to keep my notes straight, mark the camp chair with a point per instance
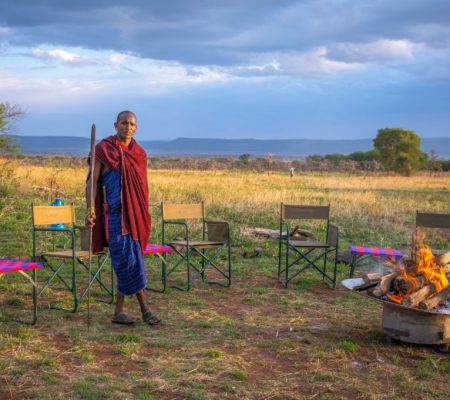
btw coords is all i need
(197, 255)
(55, 244)
(299, 255)
(431, 225)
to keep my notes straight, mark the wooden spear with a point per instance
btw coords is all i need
(91, 211)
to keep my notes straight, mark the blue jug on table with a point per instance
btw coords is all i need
(57, 202)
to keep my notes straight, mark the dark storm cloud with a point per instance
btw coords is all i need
(200, 32)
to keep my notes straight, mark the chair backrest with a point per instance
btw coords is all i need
(292, 211)
(431, 220)
(183, 211)
(428, 226)
(48, 215)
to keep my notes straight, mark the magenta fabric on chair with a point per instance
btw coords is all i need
(157, 249)
(17, 265)
(376, 251)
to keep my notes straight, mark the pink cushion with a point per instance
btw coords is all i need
(17, 265)
(157, 248)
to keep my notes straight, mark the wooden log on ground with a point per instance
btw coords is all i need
(435, 300)
(372, 276)
(384, 285)
(273, 233)
(299, 234)
(416, 297)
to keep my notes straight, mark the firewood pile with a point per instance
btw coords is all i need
(422, 283)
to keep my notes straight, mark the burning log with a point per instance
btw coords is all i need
(435, 300)
(408, 283)
(444, 260)
(366, 285)
(384, 285)
(423, 284)
(416, 297)
(372, 277)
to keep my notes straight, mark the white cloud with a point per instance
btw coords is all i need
(379, 51)
(309, 64)
(63, 56)
(5, 31)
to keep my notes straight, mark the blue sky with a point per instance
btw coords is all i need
(228, 69)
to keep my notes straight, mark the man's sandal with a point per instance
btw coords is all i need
(123, 319)
(150, 318)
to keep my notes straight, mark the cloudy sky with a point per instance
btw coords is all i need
(325, 69)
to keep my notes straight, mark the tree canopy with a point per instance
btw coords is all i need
(399, 150)
(9, 114)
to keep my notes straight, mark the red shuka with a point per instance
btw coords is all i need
(131, 162)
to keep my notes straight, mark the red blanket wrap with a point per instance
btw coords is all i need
(132, 164)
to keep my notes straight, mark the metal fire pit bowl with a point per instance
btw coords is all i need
(411, 325)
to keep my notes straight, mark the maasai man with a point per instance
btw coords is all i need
(120, 171)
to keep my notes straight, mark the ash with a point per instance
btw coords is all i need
(443, 308)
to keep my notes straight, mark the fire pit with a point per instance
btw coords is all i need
(411, 325)
(415, 297)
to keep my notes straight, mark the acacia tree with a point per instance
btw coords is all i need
(399, 150)
(9, 114)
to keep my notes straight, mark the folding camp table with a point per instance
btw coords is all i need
(359, 253)
(159, 250)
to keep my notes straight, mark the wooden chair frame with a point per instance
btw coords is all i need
(57, 261)
(306, 253)
(428, 220)
(215, 239)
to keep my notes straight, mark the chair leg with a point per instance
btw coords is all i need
(325, 265)
(188, 266)
(229, 265)
(335, 270)
(163, 275)
(202, 273)
(34, 294)
(279, 257)
(286, 270)
(353, 264)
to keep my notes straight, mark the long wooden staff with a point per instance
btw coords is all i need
(91, 212)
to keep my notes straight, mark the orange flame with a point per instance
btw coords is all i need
(427, 266)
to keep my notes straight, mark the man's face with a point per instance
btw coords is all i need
(126, 127)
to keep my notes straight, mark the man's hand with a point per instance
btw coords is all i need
(89, 221)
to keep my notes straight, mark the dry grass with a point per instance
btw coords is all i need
(254, 340)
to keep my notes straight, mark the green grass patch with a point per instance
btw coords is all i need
(213, 353)
(348, 345)
(239, 375)
(127, 337)
(15, 301)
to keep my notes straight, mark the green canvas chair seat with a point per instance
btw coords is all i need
(200, 254)
(67, 269)
(296, 256)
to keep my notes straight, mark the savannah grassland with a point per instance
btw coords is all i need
(254, 340)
